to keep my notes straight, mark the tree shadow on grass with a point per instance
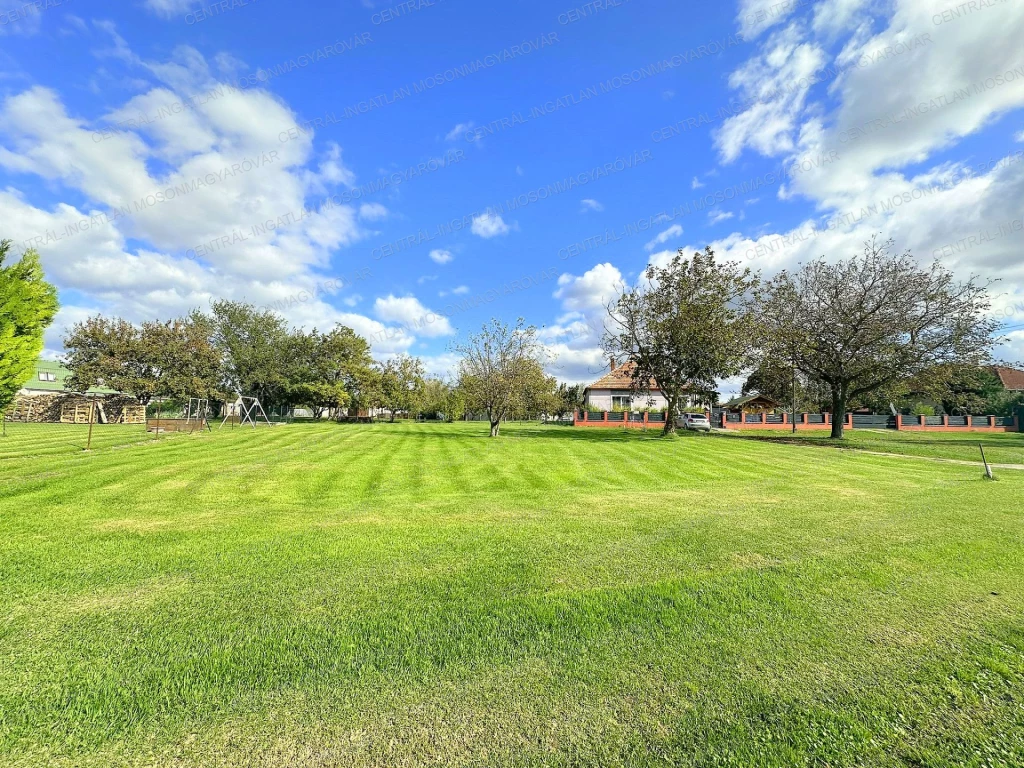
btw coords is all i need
(995, 440)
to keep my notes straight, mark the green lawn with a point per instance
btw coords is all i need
(1000, 447)
(396, 595)
(49, 439)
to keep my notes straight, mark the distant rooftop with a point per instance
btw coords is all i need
(49, 376)
(1011, 378)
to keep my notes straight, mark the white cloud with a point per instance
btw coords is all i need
(372, 211)
(251, 232)
(460, 289)
(353, 300)
(168, 8)
(590, 205)
(591, 290)
(663, 237)
(774, 85)
(412, 315)
(755, 16)
(459, 131)
(441, 256)
(488, 225)
(714, 217)
(695, 184)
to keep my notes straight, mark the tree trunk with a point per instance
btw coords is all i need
(670, 419)
(495, 427)
(839, 400)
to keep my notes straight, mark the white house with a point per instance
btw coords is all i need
(612, 392)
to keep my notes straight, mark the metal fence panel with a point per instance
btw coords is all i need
(874, 421)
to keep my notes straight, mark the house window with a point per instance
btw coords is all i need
(47, 376)
(625, 403)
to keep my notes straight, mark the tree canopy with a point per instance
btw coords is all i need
(499, 368)
(684, 326)
(28, 305)
(862, 324)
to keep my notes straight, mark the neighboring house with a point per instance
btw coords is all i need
(48, 379)
(612, 392)
(1011, 378)
(755, 403)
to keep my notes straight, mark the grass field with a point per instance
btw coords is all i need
(398, 595)
(1000, 447)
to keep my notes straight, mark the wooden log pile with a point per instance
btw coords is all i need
(74, 409)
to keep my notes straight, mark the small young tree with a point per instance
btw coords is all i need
(497, 367)
(28, 305)
(865, 323)
(685, 326)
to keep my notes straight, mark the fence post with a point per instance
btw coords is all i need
(785, 419)
(604, 416)
(922, 421)
(848, 421)
(992, 422)
(899, 421)
(92, 410)
(945, 420)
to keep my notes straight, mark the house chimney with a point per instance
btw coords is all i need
(613, 362)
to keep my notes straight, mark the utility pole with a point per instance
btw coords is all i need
(793, 419)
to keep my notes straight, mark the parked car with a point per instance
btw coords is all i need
(695, 421)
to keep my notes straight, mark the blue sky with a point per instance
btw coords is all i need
(412, 169)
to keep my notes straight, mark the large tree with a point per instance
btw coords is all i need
(175, 359)
(684, 326)
(28, 305)
(498, 368)
(111, 352)
(255, 347)
(329, 369)
(863, 324)
(185, 361)
(401, 384)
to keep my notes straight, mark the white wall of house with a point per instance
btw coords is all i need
(603, 399)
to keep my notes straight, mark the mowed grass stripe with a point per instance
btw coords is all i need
(709, 601)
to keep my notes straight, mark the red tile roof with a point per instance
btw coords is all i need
(620, 377)
(1011, 378)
